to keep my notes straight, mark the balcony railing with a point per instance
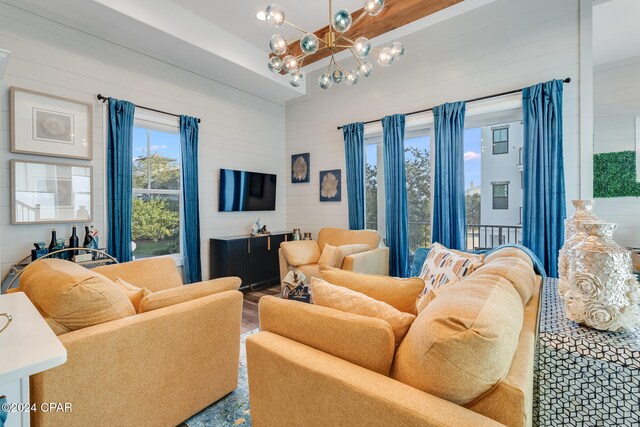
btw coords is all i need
(490, 236)
(478, 236)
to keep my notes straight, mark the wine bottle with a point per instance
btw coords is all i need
(54, 241)
(74, 242)
(87, 237)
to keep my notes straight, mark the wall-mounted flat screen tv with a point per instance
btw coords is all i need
(246, 191)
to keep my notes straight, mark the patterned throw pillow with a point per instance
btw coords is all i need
(444, 266)
(293, 287)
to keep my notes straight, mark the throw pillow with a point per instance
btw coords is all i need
(329, 255)
(443, 266)
(463, 343)
(184, 293)
(73, 296)
(343, 299)
(300, 252)
(134, 293)
(399, 293)
(294, 288)
(334, 256)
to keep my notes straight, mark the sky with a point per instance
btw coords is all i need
(472, 152)
(167, 144)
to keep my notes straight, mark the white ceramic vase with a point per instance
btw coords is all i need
(584, 212)
(602, 292)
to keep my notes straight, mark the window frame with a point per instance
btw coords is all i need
(494, 185)
(494, 143)
(148, 121)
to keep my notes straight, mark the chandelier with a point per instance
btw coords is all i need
(340, 22)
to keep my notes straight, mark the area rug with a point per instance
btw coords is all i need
(233, 409)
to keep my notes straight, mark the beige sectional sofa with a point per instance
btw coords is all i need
(467, 359)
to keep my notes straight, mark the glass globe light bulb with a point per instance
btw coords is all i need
(309, 44)
(341, 21)
(397, 50)
(373, 7)
(275, 64)
(274, 14)
(325, 80)
(278, 44)
(296, 78)
(289, 63)
(362, 47)
(365, 69)
(337, 76)
(352, 77)
(385, 58)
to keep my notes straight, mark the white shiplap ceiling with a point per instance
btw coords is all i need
(239, 17)
(219, 40)
(616, 30)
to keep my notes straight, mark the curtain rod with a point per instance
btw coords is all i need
(105, 99)
(495, 95)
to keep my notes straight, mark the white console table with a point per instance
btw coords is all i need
(27, 346)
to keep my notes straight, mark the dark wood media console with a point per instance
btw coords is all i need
(252, 258)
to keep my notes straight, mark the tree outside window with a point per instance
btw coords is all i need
(156, 193)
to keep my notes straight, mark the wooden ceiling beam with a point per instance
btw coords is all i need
(396, 13)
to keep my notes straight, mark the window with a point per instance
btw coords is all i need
(500, 195)
(522, 180)
(520, 156)
(157, 189)
(418, 176)
(520, 222)
(501, 141)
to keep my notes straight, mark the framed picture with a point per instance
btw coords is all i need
(330, 186)
(300, 168)
(44, 192)
(49, 125)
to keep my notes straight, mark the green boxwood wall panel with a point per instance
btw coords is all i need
(614, 175)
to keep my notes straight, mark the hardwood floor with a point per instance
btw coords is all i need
(250, 307)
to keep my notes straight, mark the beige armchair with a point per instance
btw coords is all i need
(154, 368)
(304, 255)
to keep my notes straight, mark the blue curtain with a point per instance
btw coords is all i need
(191, 268)
(119, 184)
(354, 156)
(449, 219)
(543, 207)
(395, 184)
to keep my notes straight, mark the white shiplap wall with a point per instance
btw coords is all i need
(616, 99)
(505, 45)
(238, 130)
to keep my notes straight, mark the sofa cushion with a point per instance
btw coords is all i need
(444, 265)
(134, 293)
(341, 236)
(509, 251)
(185, 293)
(155, 274)
(301, 252)
(515, 270)
(334, 256)
(343, 299)
(399, 293)
(463, 342)
(72, 296)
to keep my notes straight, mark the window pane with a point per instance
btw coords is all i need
(500, 190)
(139, 170)
(156, 224)
(371, 186)
(418, 175)
(164, 160)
